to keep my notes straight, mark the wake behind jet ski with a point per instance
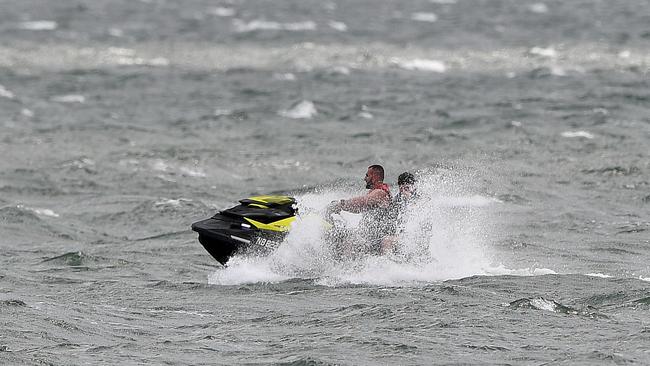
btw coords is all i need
(257, 225)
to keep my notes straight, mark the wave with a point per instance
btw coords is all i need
(544, 304)
(13, 302)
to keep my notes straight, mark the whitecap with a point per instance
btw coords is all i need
(599, 275)
(27, 113)
(192, 172)
(138, 61)
(160, 166)
(158, 61)
(116, 32)
(340, 70)
(339, 26)
(259, 24)
(544, 52)
(572, 134)
(219, 112)
(501, 270)
(366, 115)
(541, 303)
(446, 2)
(39, 211)
(171, 202)
(5, 93)
(302, 110)
(285, 76)
(625, 54)
(365, 112)
(69, 98)
(222, 12)
(558, 71)
(45, 212)
(39, 25)
(421, 65)
(539, 8)
(424, 17)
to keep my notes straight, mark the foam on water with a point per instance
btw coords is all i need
(445, 236)
(171, 202)
(39, 211)
(260, 24)
(39, 25)
(625, 54)
(303, 110)
(192, 172)
(501, 270)
(339, 26)
(285, 76)
(544, 52)
(5, 93)
(543, 304)
(69, 98)
(539, 8)
(424, 17)
(222, 12)
(421, 65)
(246, 270)
(572, 134)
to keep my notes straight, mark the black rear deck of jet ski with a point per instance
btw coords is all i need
(257, 224)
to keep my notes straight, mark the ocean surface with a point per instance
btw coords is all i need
(124, 121)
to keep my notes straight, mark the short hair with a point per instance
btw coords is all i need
(378, 169)
(405, 178)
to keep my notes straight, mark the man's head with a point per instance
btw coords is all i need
(374, 175)
(406, 182)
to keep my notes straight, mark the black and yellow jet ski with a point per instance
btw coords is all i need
(257, 225)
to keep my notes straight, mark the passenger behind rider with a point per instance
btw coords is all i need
(374, 207)
(407, 194)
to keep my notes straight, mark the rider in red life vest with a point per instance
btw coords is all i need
(377, 197)
(374, 209)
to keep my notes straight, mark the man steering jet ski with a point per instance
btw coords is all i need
(258, 225)
(375, 210)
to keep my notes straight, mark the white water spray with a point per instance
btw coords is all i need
(445, 235)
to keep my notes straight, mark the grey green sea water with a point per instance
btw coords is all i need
(122, 122)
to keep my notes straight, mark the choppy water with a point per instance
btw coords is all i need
(121, 122)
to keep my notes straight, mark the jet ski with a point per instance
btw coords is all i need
(257, 225)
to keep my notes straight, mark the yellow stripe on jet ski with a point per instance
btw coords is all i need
(278, 200)
(280, 225)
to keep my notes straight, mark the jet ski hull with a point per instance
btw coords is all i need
(256, 226)
(215, 237)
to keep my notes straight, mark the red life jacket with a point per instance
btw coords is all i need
(384, 187)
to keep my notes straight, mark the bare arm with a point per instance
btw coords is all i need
(375, 198)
